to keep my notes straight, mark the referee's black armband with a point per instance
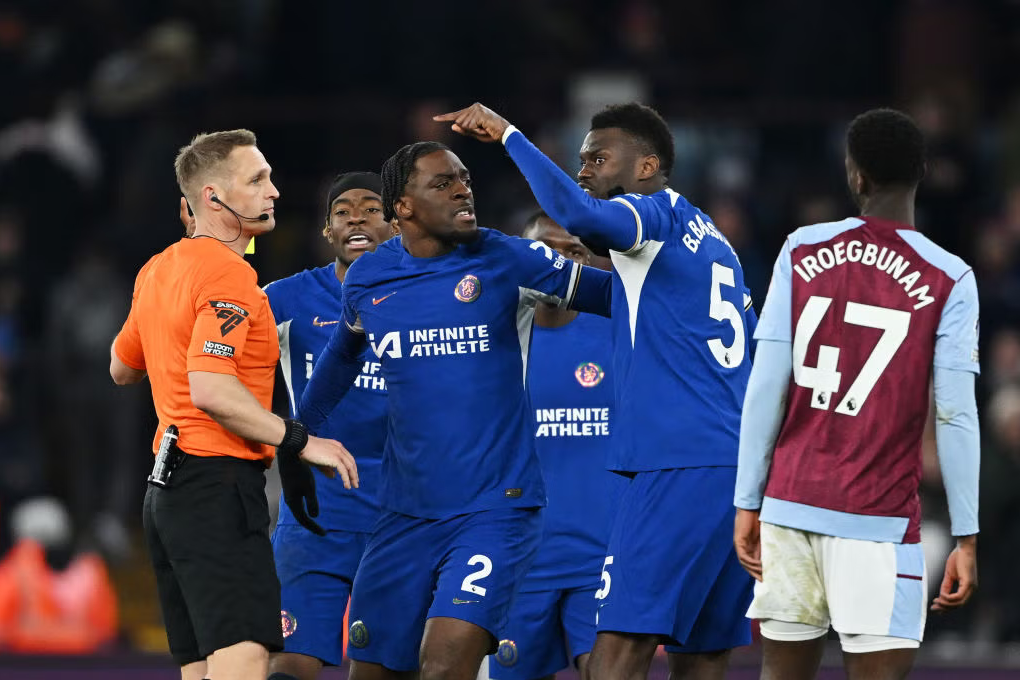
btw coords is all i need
(294, 438)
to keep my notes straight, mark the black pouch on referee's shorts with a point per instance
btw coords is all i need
(168, 458)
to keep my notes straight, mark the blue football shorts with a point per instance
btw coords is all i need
(670, 567)
(548, 630)
(465, 567)
(316, 574)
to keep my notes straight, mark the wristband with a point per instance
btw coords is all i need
(510, 129)
(294, 438)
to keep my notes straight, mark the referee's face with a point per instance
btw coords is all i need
(251, 191)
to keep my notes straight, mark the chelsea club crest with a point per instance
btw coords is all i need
(589, 374)
(468, 289)
(358, 635)
(288, 622)
(506, 654)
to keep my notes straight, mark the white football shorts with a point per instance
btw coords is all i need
(873, 594)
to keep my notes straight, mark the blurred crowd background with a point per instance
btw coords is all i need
(98, 95)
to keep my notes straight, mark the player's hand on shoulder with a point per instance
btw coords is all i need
(331, 458)
(476, 121)
(961, 577)
(747, 541)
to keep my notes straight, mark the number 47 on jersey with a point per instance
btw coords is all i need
(825, 379)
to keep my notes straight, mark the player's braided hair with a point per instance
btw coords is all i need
(398, 169)
(888, 147)
(645, 125)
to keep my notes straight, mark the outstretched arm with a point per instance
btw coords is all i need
(613, 224)
(334, 373)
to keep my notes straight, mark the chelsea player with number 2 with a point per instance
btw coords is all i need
(447, 308)
(682, 327)
(316, 567)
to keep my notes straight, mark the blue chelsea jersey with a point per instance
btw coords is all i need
(682, 318)
(452, 334)
(307, 308)
(682, 342)
(570, 384)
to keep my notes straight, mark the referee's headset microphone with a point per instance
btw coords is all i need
(238, 216)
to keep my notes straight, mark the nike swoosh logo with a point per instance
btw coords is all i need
(457, 600)
(376, 301)
(316, 322)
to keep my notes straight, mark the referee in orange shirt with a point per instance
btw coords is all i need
(201, 329)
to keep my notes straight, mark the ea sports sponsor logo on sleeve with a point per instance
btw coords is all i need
(230, 313)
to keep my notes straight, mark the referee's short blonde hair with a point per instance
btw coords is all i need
(204, 157)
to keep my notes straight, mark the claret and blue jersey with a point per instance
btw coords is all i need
(683, 324)
(452, 335)
(307, 307)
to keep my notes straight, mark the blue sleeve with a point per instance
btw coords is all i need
(546, 276)
(334, 373)
(349, 311)
(277, 295)
(956, 340)
(958, 441)
(612, 224)
(776, 318)
(764, 408)
(594, 293)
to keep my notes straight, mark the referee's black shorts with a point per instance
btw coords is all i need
(207, 534)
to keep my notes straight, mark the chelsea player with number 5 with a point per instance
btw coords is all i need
(447, 309)
(682, 327)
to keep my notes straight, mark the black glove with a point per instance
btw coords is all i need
(297, 479)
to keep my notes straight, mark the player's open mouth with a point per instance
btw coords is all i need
(465, 214)
(587, 188)
(357, 241)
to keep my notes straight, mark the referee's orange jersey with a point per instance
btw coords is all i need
(197, 306)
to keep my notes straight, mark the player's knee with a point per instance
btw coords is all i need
(242, 660)
(890, 664)
(449, 661)
(620, 655)
(440, 667)
(703, 666)
(287, 666)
